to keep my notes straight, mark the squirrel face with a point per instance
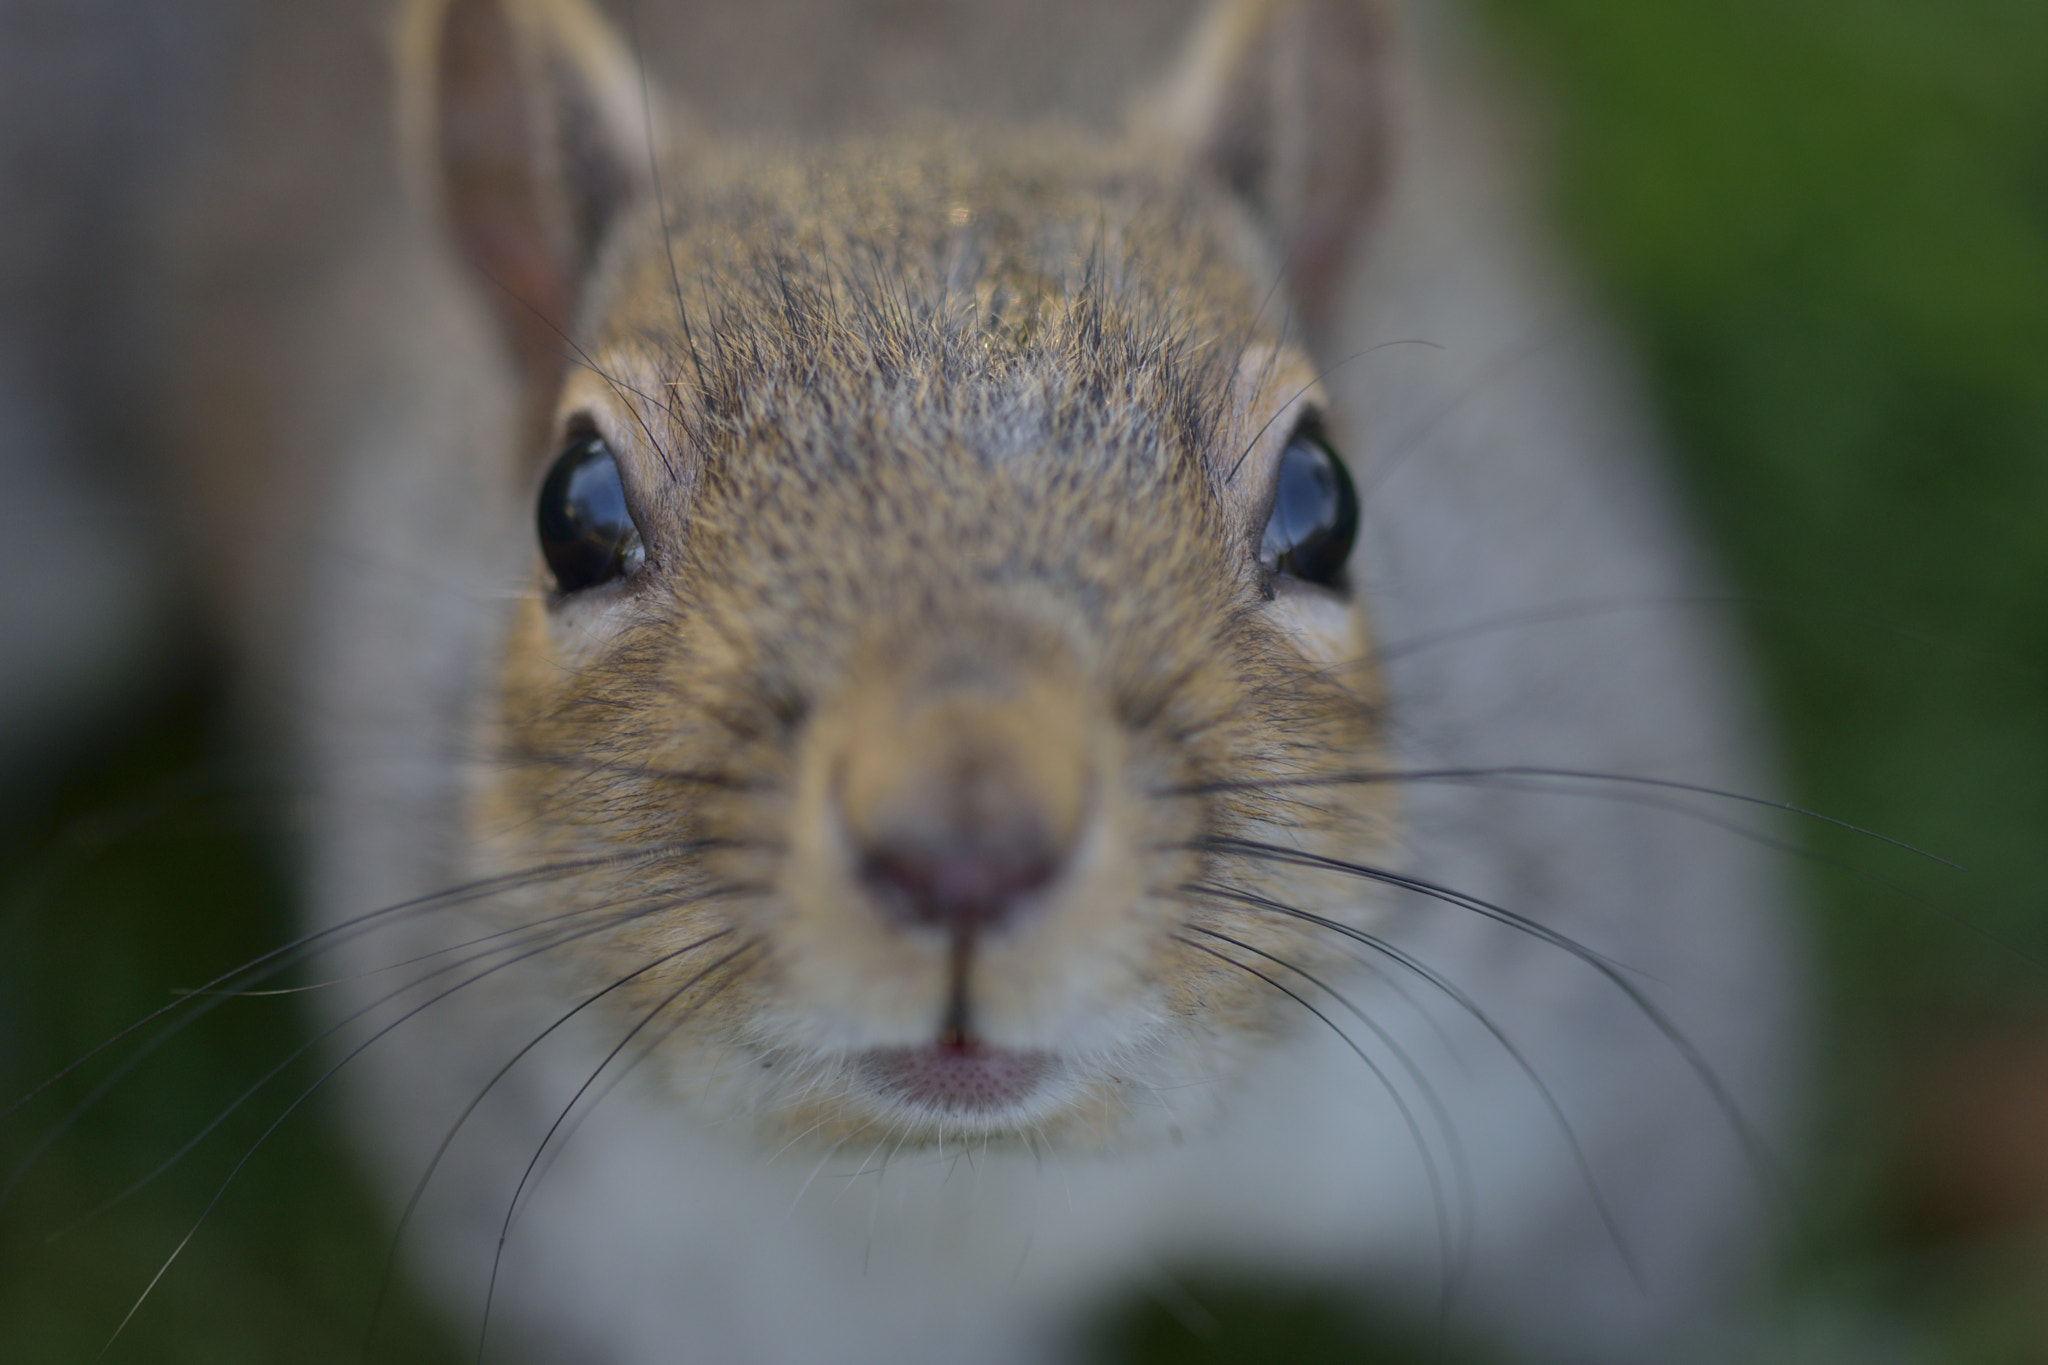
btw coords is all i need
(954, 642)
(943, 573)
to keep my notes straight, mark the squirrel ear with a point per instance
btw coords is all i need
(1286, 103)
(528, 126)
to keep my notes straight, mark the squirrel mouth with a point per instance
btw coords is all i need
(958, 1078)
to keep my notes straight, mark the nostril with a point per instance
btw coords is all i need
(961, 805)
(968, 884)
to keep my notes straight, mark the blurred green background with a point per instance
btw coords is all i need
(1824, 225)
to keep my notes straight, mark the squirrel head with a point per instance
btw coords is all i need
(940, 575)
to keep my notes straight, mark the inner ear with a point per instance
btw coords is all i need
(534, 140)
(1285, 104)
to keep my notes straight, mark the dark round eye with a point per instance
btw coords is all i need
(1315, 513)
(586, 531)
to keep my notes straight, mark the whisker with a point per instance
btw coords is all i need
(297, 1053)
(618, 1077)
(1805, 854)
(1568, 774)
(271, 964)
(1755, 1151)
(1321, 375)
(1271, 364)
(830, 1152)
(1497, 774)
(661, 200)
(280, 958)
(1601, 606)
(660, 206)
(274, 1125)
(480, 939)
(674, 776)
(1447, 1252)
(1259, 314)
(577, 356)
(1461, 1167)
(1486, 1021)
(1502, 778)
(419, 1188)
(1501, 363)
(505, 1230)
(1486, 909)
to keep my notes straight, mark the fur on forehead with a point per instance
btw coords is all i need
(1040, 296)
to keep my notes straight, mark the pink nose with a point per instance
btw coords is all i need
(962, 793)
(973, 878)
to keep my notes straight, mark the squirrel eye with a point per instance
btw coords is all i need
(586, 531)
(1315, 513)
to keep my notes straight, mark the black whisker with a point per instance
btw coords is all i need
(1503, 779)
(492, 937)
(577, 356)
(1754, 1148)
(419, 1188)
(1450, 1250)
(281, 958)
(668, 246)
(255, 1146)
(1498, 774)
(675, 776)
(1601, 606)
(1501, 363)
(1500, 914)
(270, 964)
(1371, 776)
(1321, 375)
(1461, 1167)
(1272, 363)
(317, 1083)
(505, 1230)
(1486, 1021)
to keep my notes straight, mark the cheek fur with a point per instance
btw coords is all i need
(658, 759)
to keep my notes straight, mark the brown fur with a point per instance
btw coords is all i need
(951, 451)
(910, 423)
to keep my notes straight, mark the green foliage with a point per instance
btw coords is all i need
(134, 882)
(1826, 224)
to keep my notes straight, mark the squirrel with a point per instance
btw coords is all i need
(907, 728)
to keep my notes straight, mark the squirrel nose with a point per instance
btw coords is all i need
(979, 880)
(957, 822)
